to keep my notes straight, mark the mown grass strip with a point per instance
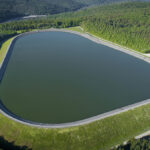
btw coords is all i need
(101, 134)
(4, 48)
(78, 29)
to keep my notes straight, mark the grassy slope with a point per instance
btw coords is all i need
(78, 29)
(3, 49)
(98, 135)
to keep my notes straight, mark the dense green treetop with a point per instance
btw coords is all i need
(16, 8)
(127, 24)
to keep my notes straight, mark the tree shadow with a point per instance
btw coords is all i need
(140, 144)
(5, 145)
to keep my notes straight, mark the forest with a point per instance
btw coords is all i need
(16, 8)
(135, 144)
(10, 9)
(127, 24)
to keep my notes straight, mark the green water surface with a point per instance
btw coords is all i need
(57, 77)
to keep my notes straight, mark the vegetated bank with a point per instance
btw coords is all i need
(101, 134)
(4, 49)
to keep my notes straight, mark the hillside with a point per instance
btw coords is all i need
(127, 24)
(15, 8)
(94, 2)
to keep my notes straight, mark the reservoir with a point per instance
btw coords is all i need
(58, 77)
